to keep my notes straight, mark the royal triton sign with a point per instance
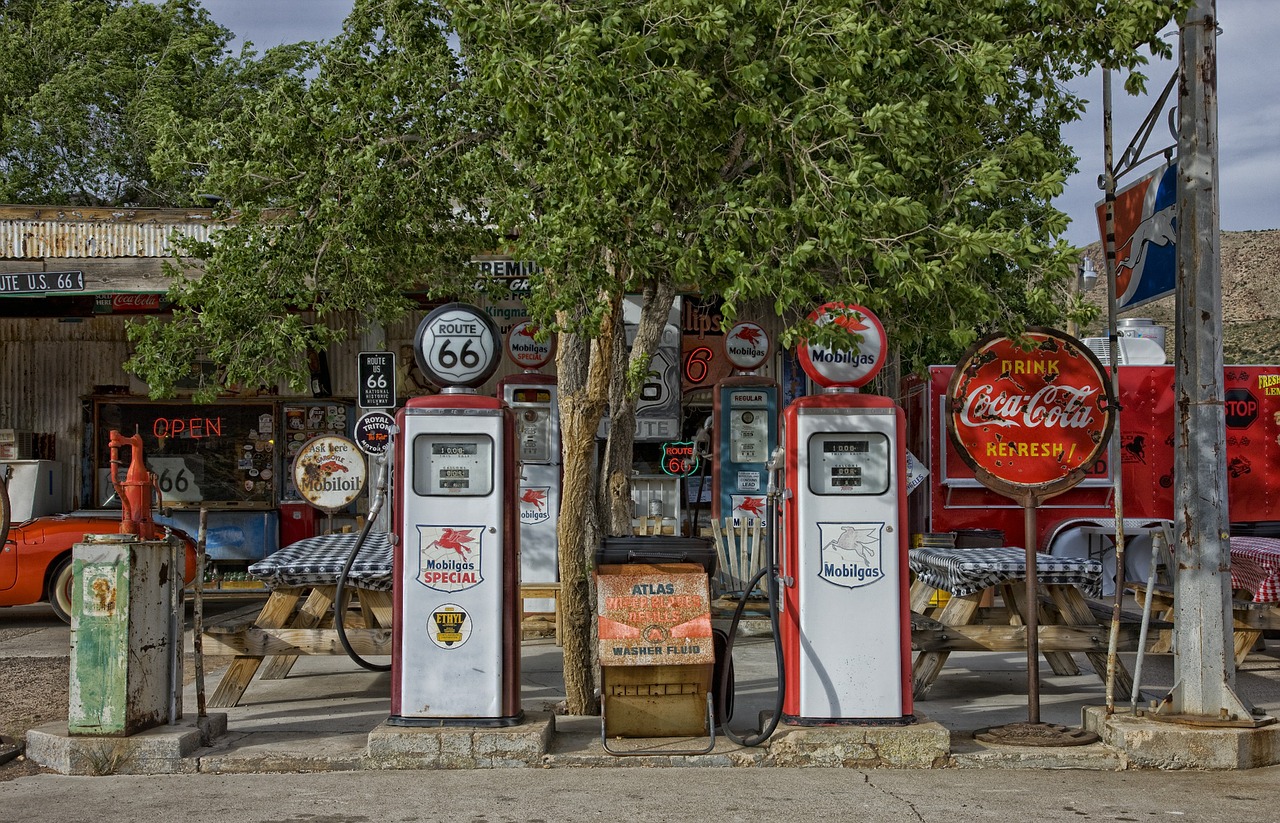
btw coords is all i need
(1030, 415)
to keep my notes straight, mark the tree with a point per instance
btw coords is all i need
(346, 191)
(85, 86)
(901, 156)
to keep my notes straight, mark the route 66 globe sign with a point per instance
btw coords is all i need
(457, 345)
(830, 368)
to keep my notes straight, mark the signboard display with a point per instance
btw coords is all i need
(747, 346)
(524, 349)
(373, 432)
(329, 472)
(41, 282)
(854, 366)
(1030, 420)
(457, 345)
(377, 377)
(650, 617)
(1146, 237)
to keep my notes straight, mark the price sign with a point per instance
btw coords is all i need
(457, 345)
(377, 374)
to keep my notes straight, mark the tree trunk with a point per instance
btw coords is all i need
(615, 491)
(583, 390)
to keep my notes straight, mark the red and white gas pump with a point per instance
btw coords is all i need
(532, 398)
(845, 622)
(456, 640)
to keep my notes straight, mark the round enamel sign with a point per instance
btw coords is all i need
(851, 367)
(746, 346)
(526, 352)
(1030, 421)
(329, 472)
(457, 345)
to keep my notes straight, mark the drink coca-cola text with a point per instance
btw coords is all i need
(1064, 407)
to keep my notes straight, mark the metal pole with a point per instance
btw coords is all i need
(1204, 666)
(1031, 618)
(197, 629)
(1113, 445)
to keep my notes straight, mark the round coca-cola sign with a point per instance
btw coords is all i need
(1030, 420)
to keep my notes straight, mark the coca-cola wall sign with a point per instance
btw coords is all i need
(1030, 420)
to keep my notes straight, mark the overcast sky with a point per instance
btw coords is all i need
(1248, 103)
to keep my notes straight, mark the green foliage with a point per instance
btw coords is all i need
(84, 85)
(902, 156)
(347, 191)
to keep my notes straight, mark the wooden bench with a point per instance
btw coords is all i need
(544, 591)
(1248, 619)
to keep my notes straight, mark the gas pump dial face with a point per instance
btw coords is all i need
(457, 345)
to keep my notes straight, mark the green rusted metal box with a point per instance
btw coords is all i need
(126, 635)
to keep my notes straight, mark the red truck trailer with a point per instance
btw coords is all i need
(952, 499)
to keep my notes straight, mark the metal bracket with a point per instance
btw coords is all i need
(711, 744)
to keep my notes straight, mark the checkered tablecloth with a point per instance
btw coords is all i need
(966, 571)
(1255, 567)
(317, 561)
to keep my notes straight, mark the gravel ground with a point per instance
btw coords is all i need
(33, 691)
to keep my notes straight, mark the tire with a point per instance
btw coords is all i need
(59, 589)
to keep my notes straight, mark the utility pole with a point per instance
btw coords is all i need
(1204, 664)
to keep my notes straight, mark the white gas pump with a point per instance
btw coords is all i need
(845, 625)
(455, 645)
(745, 422)
(532, 397)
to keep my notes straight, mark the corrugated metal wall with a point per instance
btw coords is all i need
(37, 239)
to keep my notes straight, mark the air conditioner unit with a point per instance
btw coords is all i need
(1134, 351)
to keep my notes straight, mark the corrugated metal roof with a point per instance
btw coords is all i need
(38, 239)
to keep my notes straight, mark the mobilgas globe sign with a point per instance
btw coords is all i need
(329, 472)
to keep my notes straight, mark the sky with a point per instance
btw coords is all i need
(1248, 104)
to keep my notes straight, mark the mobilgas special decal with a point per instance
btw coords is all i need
(449, 557)
(450, 626)
(852, 553)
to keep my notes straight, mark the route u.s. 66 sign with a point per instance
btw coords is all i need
(457, 345)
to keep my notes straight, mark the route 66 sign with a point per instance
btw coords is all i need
(457, 345)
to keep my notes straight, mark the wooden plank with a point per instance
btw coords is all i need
(928, 664)
(262, 642)
(317, 605)
(275, 613)
(1071, 605)
(988, 638)
(1060, 662)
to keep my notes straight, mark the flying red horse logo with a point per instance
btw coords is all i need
(456, 539)
(748, 333)
(534, 497)
(850, 321)
(527, 331)
(331, 466)
(753, 506)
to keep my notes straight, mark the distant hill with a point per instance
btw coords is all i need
(1250, 298)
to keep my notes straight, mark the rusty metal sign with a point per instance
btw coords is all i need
(329, 472)
(1030, 421)
(654, 615)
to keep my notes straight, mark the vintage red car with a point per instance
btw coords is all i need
(35, 558)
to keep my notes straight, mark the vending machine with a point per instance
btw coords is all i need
(533, 400)
(845, 622)
(456, 637)
(745, 422)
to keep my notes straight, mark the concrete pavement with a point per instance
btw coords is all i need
(328, 714)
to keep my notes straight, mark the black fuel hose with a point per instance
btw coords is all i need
(770, 569)
(339, 608)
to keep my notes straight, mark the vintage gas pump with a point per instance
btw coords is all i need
(845, 625)
(532, 398)
(745, 421)
(455, 644)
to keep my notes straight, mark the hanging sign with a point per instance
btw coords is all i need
(373, 432)
(376, 371)
(1146, 237)
(1029, 422)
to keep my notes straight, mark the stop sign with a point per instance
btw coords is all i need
(1241, 408)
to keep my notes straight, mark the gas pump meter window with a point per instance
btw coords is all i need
(748, 427)
(453, 465)
(533, 423)
(849, 464)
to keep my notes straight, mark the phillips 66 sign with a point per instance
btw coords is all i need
(1030, 421)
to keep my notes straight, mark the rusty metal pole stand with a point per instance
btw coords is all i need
(197, 619)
